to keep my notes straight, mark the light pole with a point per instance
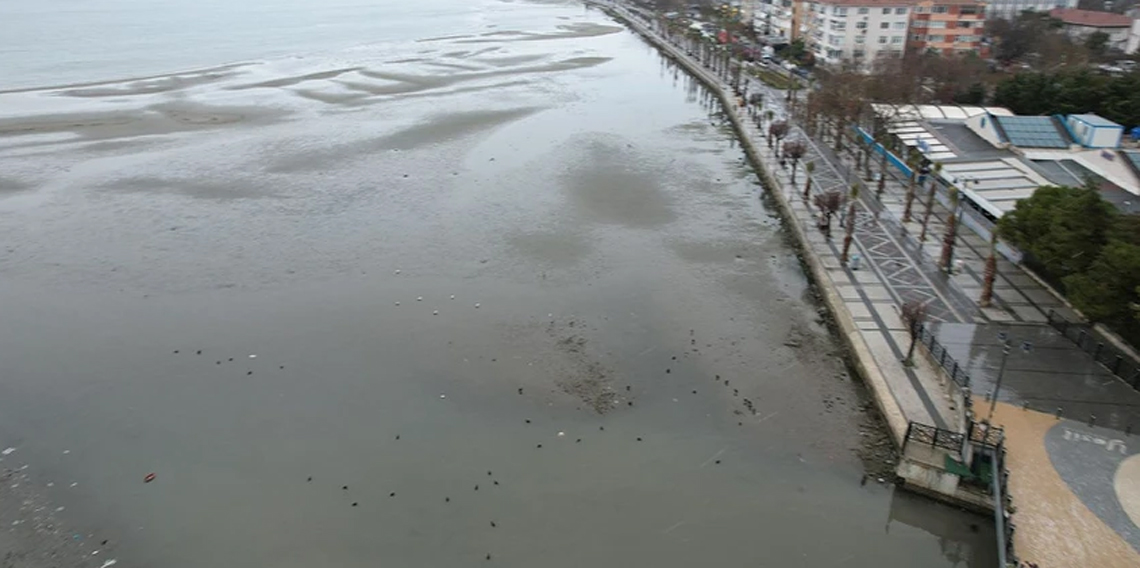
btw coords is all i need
(1006, 348)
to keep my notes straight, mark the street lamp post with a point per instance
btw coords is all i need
(1006, 348)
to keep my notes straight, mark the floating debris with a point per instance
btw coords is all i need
(7, 451)
(149, 478)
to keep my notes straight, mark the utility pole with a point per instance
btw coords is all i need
(1006, 348)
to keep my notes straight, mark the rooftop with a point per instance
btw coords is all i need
(1075, 17)
(870, 3)
(1032, 131)
(1094, 120)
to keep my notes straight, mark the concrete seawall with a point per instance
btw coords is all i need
(859, 354)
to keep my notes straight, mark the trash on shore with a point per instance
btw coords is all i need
(7, 451)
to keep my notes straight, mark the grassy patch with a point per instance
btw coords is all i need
(774, 79)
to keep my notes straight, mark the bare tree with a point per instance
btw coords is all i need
(914, 315)
(776, 132)
(849, 235)
(950, 234)
(810, 167)
(794, 150)
(828, 203)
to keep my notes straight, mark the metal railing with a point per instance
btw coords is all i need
(935, 437)
(1090, 341)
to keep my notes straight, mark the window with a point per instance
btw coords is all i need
(917, 37)
(864, 10)
(838, 26)
(886, 11)
(884, 25)
(861, 25)
(841, 11)
(834, 40)
(935, 38)
(965, 39)
(940, 9)
(899, 25)
(937, 24)
(860, 39)
(896, 39)
(920, 9)
(965, 24)
(858, 53)
(969, 10)
(900, 11)
(920, 23)
(882, 39)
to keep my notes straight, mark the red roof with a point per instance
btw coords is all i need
(1090, 18)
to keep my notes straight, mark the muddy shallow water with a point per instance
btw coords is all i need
(514, 273)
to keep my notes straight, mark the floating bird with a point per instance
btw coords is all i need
(476, 305)
(489, 554)
(627, 388)
(639, 438)
(175, 351)
(717, 461)
(488, 474)
(392, 494)
(447, 499)
(397, 436)
(310, 479)
(579, 440)
(601, 427)
(520, 388)
(476, 487)
(493, 525)
(435, 313)
(419, 298)
(354, 503)
(528, 420)
(249, 372)
(199, 351)
(344, 487)
(540, 445)
(495, 482)
(667, 371)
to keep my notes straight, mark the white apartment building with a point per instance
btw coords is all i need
(858, 31)
(1009, 9)
(775, 19)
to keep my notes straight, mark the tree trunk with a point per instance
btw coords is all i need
(926, 213)
(807, 189)
(794, 162)
(882, 175)
(909, 197)
(989, 274)
(950, 234)
(850, 232)
(827, 225)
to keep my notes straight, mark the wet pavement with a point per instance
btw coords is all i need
(507, 292)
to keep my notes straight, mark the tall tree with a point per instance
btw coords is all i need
(849, 234)
(1062, 228)
(930, 201)
(950, 233)
(810, 168)
(910, 186)
(793, 151)
(990, 272)
(914, 315)
(828, 203)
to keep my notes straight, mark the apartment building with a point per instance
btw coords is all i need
(857, 31)
(949, 27)
(776, 19)
(1009, 9)
(1080, 24)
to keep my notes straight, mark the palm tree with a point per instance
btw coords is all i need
(913, 165)
(810, 167)
(828, 203)
(882, 168)
(951, 232)
(913, 314)
(930, 202)
(794, 150)
(850, 228)
(990, 272)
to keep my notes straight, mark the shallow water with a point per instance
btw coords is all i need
(604, 243)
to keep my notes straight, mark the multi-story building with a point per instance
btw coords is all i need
(775, 19)
(857, 31)
(1010, 9)
(1080, 24)
(949, 27)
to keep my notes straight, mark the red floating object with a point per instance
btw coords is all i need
(149, 478)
